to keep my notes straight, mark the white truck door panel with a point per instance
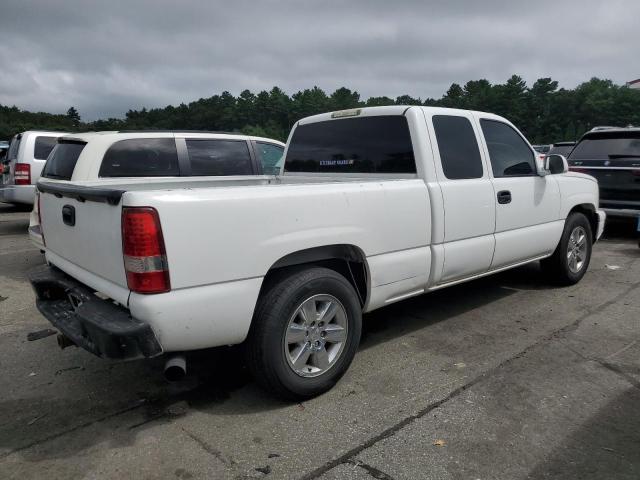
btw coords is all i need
(526, 204)
(467, 195)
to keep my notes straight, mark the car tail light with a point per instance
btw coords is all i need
(145, 259)
(22, 174)
(38, 196)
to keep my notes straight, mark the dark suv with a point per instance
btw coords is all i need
(612, 156)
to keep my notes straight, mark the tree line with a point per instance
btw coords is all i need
(544, 112)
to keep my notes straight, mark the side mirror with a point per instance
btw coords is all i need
(556, 164)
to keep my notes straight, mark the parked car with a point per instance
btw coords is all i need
(27, 154)
(4, 147)
(612, 156)
(153, 156)
(374, 205)
(542, 151)
(561, 148)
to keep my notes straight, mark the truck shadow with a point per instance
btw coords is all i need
(134, 396)
(605, 446)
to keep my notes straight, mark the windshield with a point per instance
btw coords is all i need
(621, 145)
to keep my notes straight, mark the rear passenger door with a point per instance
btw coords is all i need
(467, 193)
(527, 205)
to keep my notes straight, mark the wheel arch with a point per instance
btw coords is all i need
(346, 259)
(589, 211)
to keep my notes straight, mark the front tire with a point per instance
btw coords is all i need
(571, 258)
(304, 334)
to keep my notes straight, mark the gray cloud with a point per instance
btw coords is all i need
(107, 57)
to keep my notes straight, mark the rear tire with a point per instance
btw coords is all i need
(304, 334)
(571, 258)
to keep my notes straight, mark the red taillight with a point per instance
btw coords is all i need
(44, 242)
(22, 174)
(145, 259)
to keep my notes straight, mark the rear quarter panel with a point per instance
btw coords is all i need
(225, 234)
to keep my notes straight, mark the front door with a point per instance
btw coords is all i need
(527, 205)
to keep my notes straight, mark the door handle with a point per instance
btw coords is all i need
(504, 196)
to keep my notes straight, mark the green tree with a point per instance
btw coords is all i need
(74, 116)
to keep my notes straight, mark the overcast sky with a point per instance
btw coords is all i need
(105, 58)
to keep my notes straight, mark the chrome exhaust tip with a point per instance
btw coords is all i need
(176, 368)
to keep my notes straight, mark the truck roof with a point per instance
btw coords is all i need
(388, 110)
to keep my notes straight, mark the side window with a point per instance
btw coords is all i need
(141, 157)
(459, 152)
(270, 157)
(219, 157)
(43, 147)
(510, 155)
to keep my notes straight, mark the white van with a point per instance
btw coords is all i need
(25, 159)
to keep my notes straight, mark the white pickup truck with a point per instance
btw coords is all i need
(372, 206)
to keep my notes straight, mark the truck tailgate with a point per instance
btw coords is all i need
(84, 233)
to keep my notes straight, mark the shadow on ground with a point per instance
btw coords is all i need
(606, 446)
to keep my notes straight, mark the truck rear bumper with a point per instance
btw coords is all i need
(97, 325)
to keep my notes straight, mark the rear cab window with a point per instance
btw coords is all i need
(43, 146)
(375, 144)
(62, 160)
(219, 157)
(141, 157)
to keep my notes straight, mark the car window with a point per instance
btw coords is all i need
(43, 147)
(541, 148)
(510, 155)
(219, 157)
(619, 146)
(141, 157)
(561, 150)
(459, 152)
(270, 157)
(380, 144)
(62, 160)
(14, 146)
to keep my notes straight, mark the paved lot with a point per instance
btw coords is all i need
(501, 378)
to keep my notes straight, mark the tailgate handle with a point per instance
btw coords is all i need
(69, 215)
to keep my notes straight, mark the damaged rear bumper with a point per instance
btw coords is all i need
(95, 324)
